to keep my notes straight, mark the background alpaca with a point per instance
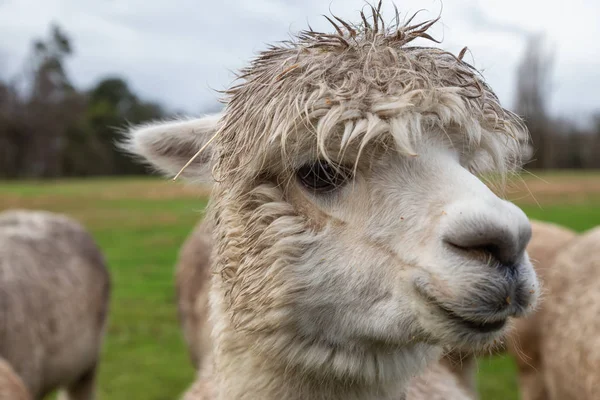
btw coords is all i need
(192, 276)
(54, 287)
(524, 342)
(570, 344)
(352, 240)
(11, 386)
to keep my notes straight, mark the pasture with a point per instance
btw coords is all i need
(140, 223)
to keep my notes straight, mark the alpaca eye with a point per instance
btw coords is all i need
(322, 176)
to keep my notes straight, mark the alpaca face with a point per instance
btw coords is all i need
(396, 250)
(350, 229)
(408, 248)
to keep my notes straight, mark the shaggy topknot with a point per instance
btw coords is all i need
(362, 84)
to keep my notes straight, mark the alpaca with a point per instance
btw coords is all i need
(570, 344)
(54, 290)
(353, 240)
(524, 341)
(11, 386)
(192, 277)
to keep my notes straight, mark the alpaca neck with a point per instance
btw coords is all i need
(243, 375)
(240, 371)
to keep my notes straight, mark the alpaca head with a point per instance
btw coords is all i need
(349, 223)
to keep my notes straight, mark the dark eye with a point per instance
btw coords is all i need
(322, 176)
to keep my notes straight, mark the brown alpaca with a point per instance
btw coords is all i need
(353, 241)
(192, 277)
(524, 342)
(11, 386)
(54, 290)
(570, 343)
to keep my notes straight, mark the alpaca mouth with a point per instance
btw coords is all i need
(477, 326)
(480, 326)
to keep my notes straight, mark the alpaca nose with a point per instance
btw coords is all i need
(496, 227)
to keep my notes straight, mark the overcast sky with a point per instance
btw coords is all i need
(179, 51)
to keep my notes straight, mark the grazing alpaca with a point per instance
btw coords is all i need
(352, 239)
(570, 344)
(11, 386)
(54, 291)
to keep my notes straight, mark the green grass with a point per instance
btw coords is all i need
(579, 217)
(140, 224)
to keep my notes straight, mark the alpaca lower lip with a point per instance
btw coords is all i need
(478, 326)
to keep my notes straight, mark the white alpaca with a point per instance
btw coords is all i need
(352, 240)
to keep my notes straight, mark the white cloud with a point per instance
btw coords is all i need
(177, 51)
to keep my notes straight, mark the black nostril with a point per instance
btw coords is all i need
(503, 252)
(491, 249)
(496, 253)
(499, 233)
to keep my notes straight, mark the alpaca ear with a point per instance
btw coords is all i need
(168, 146)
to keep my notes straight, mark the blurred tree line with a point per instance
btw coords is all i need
(49, 128)
(557, 142)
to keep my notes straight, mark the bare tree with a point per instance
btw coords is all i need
(532, 96)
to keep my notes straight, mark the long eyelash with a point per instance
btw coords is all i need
(332, 176)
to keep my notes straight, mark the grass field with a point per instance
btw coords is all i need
(140, 224)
